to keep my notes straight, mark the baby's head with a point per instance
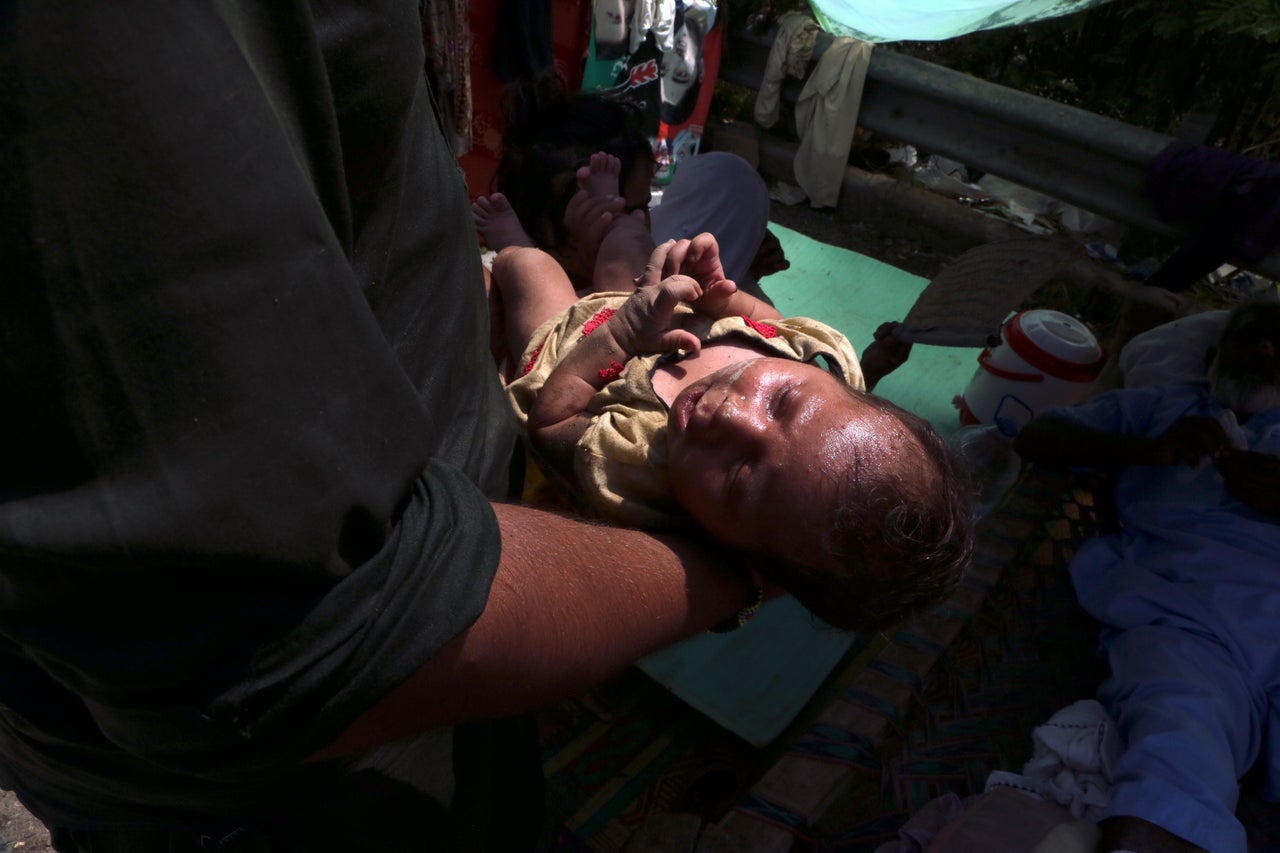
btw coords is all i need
(857, 506)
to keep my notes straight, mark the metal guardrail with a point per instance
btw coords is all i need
(1070, 154)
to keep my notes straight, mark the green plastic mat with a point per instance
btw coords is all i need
(856, 294)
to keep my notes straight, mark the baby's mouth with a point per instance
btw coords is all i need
(685, 405)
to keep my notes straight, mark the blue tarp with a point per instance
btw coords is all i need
(933, 20)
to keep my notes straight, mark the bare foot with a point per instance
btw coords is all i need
(600, 178)
(498, 223)
(594, 207)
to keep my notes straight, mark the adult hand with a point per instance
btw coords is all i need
(1188, 441)
(884, 355)
(1252, 478)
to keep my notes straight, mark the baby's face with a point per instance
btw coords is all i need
(757, 453)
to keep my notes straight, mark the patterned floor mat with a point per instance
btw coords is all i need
(931, 708)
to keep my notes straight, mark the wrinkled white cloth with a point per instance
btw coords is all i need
(826, 115)
(656, 16)
(1071, 760)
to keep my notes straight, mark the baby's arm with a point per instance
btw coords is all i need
(700, 258)
(641, 325)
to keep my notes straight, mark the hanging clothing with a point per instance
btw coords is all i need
(522, 44)
(657, 17)
(789, 57)
(826, 116)
(446, 34)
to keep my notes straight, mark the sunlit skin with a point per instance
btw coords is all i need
(758, 450)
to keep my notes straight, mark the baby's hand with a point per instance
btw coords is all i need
(643, 323)
(698, 258)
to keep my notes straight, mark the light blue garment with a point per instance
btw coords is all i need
(933, 20)
(1189, 592)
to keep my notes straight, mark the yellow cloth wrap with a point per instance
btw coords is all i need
(621, 459)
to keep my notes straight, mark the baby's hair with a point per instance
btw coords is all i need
(550, 135)
(904, 531)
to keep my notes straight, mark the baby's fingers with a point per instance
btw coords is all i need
(722, 289)
(674, 257)
(679, 288)
(655, 269)
(679, 339)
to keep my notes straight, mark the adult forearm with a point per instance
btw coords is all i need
(572, 605)
(1058, 443)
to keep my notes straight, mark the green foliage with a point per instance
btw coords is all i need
(1258, 19)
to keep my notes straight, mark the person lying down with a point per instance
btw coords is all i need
(687, 401)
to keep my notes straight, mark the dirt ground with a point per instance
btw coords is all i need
(826, 227)
(19, 831)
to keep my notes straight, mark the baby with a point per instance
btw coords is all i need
(687, 399)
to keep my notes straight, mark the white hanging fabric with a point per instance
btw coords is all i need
(826, 116)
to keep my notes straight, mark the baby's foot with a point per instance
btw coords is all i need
(601, 177)
(498, 223)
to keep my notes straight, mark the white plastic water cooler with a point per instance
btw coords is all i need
(1045, 358)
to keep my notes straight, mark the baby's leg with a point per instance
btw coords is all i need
(626, 244)
(498, 223)
(534, 289)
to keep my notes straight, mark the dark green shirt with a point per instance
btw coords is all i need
(250, 418)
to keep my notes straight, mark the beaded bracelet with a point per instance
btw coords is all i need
(755, 597)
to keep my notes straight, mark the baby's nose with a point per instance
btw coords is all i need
(737, 419)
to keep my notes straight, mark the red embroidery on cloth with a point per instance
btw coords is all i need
(612, 372)
(765, 330)
(601, 317)
(533, 358)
